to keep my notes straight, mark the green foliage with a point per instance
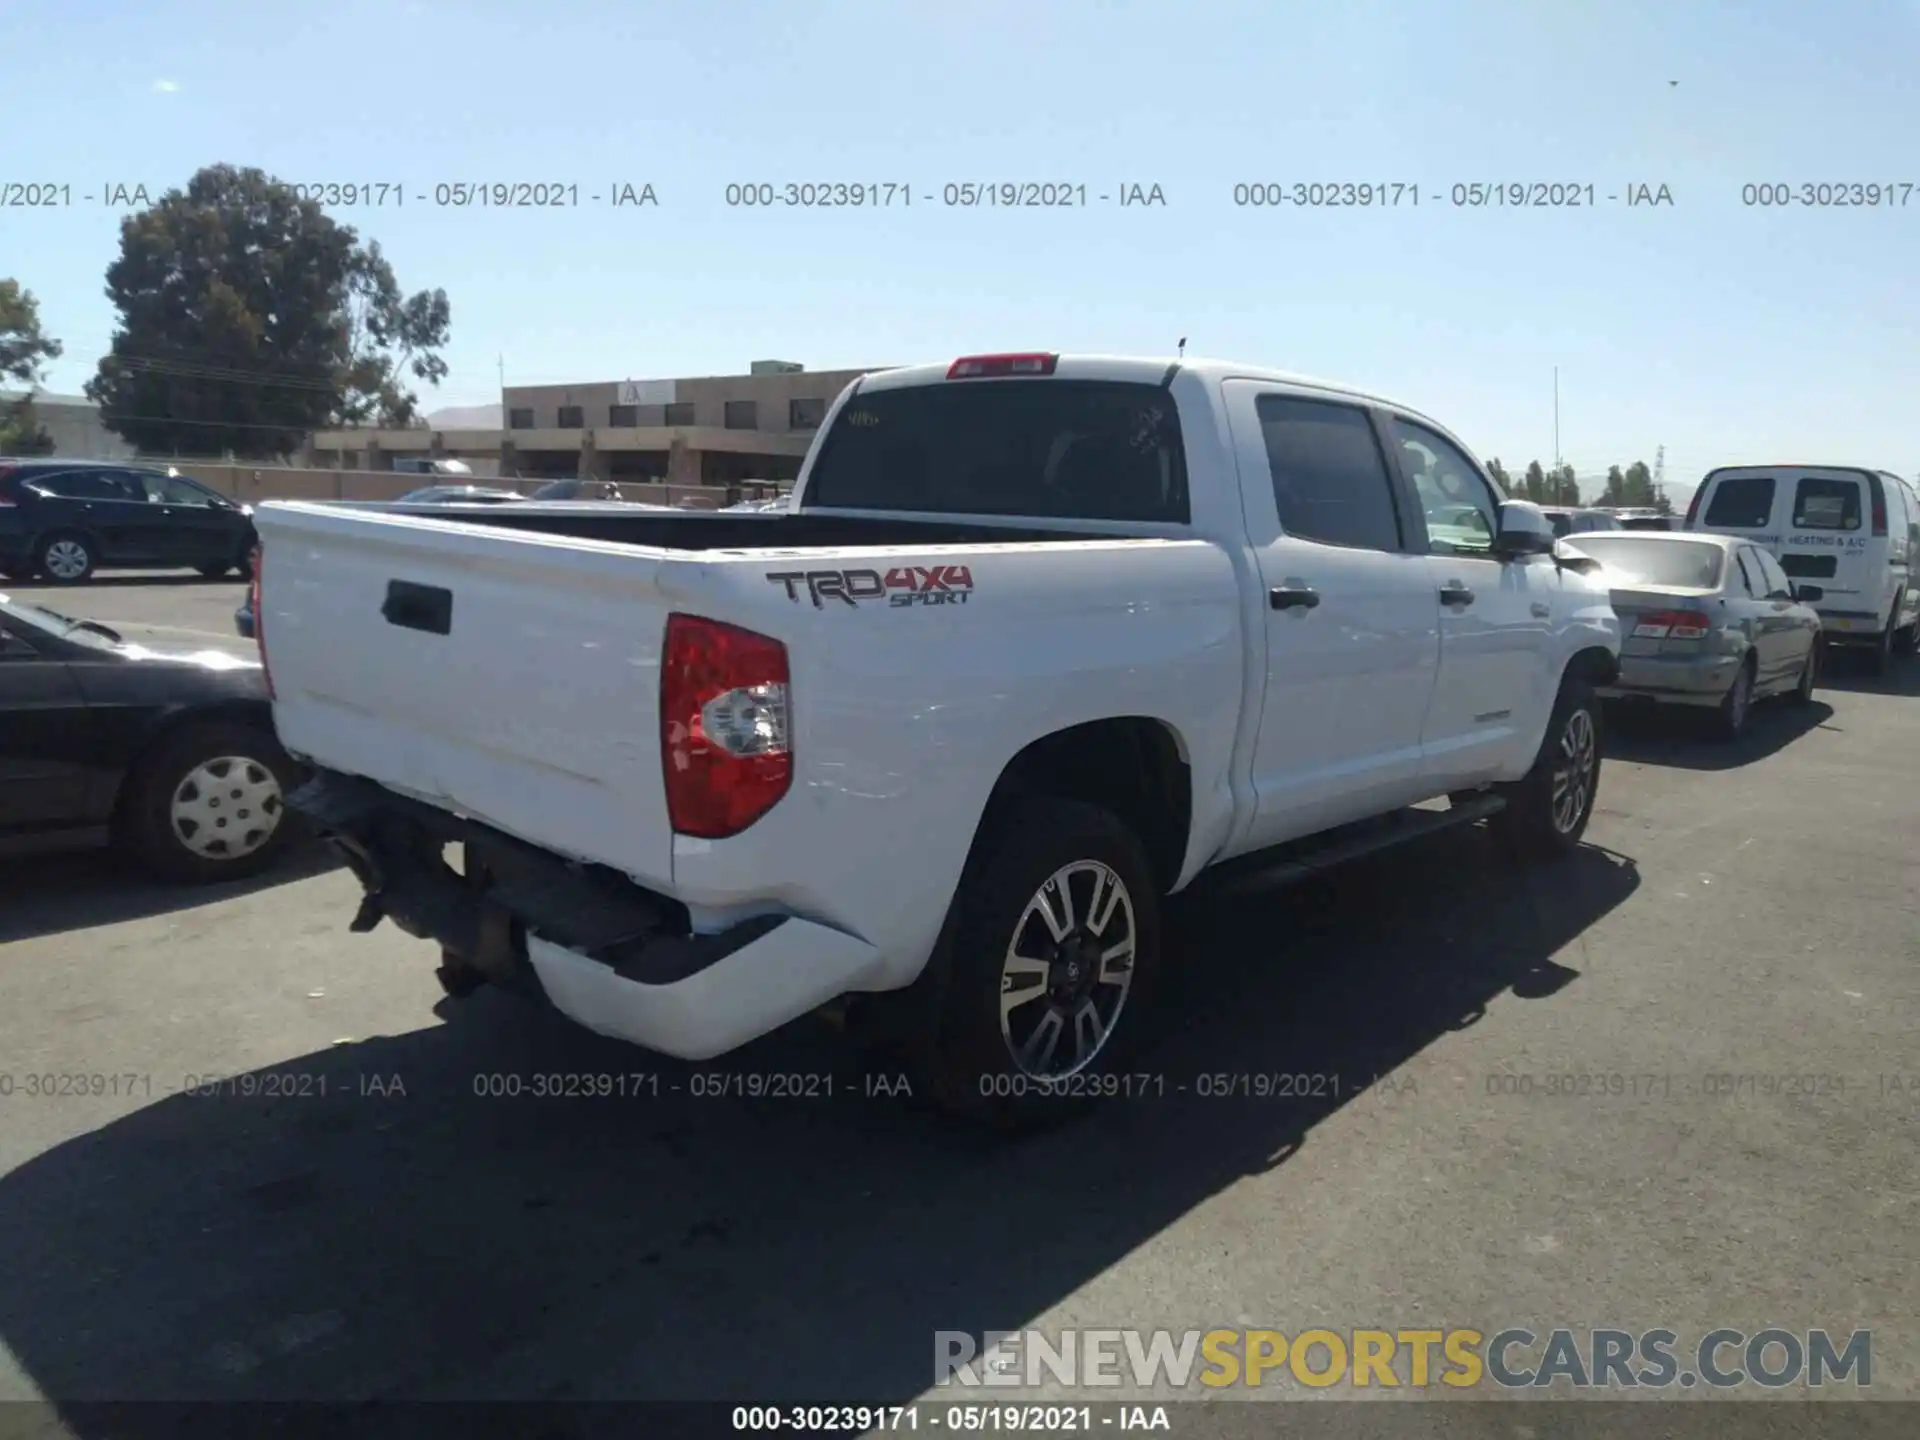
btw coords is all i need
(250, 318)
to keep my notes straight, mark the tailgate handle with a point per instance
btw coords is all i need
(419, 607)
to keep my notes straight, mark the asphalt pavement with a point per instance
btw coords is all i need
(349, 1213)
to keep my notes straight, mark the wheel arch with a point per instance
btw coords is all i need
(171, 722)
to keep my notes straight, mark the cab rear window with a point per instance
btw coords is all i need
(1827, 505)
(1741, 503)
(1068, 449)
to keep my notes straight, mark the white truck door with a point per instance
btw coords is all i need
(1351, 615)
(1496, 618)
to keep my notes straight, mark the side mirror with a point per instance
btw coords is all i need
(1524, 530)
(1807, 594)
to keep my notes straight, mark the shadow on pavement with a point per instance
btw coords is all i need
(52, 894)
(1849, 671)
(369, 1223)
(1684, 738)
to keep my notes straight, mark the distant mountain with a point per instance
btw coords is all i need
(465, 417)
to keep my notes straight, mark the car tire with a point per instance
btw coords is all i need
(216, 570)
(1880, 658)
(65, 558)
(1907, 640)
(1005, 1064)
(1736, 708)
(170, 820)
(1802, 693)
(1547, 812)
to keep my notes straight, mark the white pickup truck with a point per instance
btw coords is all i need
(1041, 639)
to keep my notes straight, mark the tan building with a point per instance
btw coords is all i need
(711, 430)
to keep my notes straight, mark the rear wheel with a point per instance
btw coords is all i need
(214, 570)
(208, 803)
(1880, 658)
(1809, 675)
(1737, 709)
(66, 559)
(1055, 951)
(1547, 812)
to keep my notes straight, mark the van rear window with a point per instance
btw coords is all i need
(1065, 449)
(1745, 503)
(1827, 505)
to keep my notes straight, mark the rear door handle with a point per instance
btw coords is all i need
(1293, 597)
(1455, 593)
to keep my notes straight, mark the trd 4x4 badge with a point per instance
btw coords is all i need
(900, 587)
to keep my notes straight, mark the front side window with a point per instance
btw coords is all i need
(1461, 512)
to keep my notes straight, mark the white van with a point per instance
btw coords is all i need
(1855, 533)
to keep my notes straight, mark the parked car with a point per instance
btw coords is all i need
(65, 519)
(424, 465)
(1855, 533)
(458, 495)
(1707, 620)
(136, 736)
(1579, 522)
(576, 490)
(1043, 639)
(1646, 518)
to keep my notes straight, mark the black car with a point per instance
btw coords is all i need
(65, 519)
(160, 741)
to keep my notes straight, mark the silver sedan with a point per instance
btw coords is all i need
(1706, 620)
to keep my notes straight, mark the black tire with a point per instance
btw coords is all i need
(147, 826)
(59, 545)
(216, 569)
(1730, 721)
(1880, 658)
(1534, 826)
(972, 1066)
(1907, 640)
(1802, 693)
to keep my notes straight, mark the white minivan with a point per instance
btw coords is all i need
(1855, 533)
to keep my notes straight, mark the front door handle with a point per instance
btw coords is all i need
(1293, 597)
(1455, 593)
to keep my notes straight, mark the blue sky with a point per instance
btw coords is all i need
(1722, 331)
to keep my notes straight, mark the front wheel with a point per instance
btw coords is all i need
(208, 803)
(1547, 812)
(1055, 951)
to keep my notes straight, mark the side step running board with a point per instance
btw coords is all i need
(1303, 859)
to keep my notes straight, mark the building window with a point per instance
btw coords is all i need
(571, 417)
(806, 414)
(623, 417)
(679, 414)
(520, 419)
(743, 415)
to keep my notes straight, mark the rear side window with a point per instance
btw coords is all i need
(1057, 449)
(1744, 503)
(1330, 478)
(87, 485)
(1826, 505)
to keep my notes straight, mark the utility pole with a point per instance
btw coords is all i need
(1556, 417)
(503, 373)
(1659, 473)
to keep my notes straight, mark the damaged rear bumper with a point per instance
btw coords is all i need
(617, 959)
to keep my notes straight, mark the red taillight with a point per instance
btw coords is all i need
(1672, 625)
(724, 741)
(978, 367)
(259, 629)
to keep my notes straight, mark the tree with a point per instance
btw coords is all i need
(250, 318)
(24, 347)
(1500, 476)
(1535, 483)
(1639, 485)
(1615, 492)
(1562, 487)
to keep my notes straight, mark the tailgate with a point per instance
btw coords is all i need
(510, 677)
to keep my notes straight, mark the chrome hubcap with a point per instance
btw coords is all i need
(1067, 971)
(226, 808)
(1574, 764)
(66, 560)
